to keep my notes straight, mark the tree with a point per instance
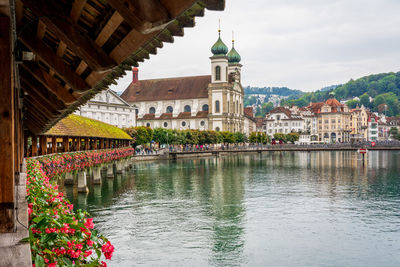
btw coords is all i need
(142, 134)
(364, 100)
(292, 137)
(280, 136)
(227, 137)
(352, 103)
(253, 137)
(240, 137)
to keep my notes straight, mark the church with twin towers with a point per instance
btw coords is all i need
(207, 102)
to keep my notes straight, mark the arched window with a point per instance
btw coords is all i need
(187, 109)
(170, 109)
(148, 124)
(217, 129)
(237, 106)
(165, 124)
(152, 110)
(217, 106)
(218, 73)
(202, 123)
(228, 106)
(183, 123)
(205, 107)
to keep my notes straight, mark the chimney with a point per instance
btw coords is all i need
(135, 75)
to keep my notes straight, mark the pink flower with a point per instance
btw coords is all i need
(89, 223)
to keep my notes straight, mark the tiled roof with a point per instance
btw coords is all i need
(202, 114)
(75, 125)
(249, 111)
(149, 116)
(282, 110)
(167, 89)
(166, 116)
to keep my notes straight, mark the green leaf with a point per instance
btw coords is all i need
(37, 219)
(39, 261)
(26, 239)
(67, 262)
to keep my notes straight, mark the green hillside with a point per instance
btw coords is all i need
(384, 88)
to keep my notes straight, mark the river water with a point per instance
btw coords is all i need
(281, 209)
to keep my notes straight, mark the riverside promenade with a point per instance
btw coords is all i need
(192, 151)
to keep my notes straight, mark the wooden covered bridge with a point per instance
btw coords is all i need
(56, 55)
(75, 133)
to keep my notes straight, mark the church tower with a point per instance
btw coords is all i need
(225, 94)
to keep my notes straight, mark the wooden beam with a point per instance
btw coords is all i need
(65, 144)
(7, 131)
(53, 144)
(49, 82)
(34, 146)
(36, 89)
(52, 61)
(35, 107)
(76, 10)
(69, 33)
(112, 24)
(146, 16)
(43, 144)
(176, 7)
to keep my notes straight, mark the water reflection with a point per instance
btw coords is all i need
(277, 209)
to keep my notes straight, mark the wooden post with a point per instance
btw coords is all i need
(53, 144)
(65, 144)
(34, 146)
(108, 143)
(78, 143)
(101, 143)
(7, 131)
(26, 145)
(43, 144)
(86, 143)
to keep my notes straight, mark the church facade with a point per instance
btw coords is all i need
(209, 102)
(108, 107)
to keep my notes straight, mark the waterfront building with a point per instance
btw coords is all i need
(282, 120)
(373, 127)
(108, 107)
(333, 120)
(208, 102)
(359, 124)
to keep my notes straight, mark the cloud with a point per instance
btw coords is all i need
(304, 44)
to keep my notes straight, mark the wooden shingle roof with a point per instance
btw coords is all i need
(75, 125)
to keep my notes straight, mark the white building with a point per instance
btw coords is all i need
(208, 102)
(281, 120)
(108, 107)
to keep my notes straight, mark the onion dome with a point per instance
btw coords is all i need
(233, 55)
(219, 48)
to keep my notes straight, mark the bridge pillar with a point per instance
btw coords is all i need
(119, 166)
(69, 178)
(126, 164)
(82, 182)
(89, 172)
(97, 175)
(110, 170)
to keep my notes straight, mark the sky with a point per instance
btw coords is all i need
(300, 44)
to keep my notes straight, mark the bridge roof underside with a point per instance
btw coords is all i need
(71, 50)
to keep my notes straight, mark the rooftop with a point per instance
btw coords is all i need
(75, 125)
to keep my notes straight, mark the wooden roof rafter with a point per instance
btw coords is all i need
(82, 47)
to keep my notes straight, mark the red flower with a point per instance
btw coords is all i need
(103, 264)
(108, 250)
(89, 223)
